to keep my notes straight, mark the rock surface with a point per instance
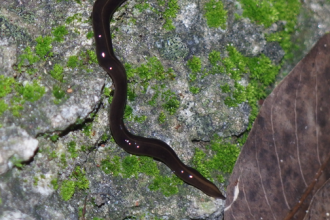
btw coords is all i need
(69, 125)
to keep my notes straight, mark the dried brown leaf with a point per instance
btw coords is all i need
(285, 161)
(320, 205)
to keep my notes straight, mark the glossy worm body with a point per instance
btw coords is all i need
(102, 12)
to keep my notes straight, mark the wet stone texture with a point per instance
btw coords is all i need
(53, 148)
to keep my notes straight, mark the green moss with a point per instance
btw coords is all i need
(143, 72)
(239, 96)
(200, 165)
(77, 180)
(79, 175)
(154, 98)
(79, 121)
(222, 162)
(6, 85)
(106, 93)
(80, 60)
(31, 70)
(225, 88)
(251, 96)
(140, 119)
(262, 70)
(57, 72)
(59, 33)
(161, 2)
(172, 102)
(31, 91)
(269, 12)
(235, 64)
(80, 212)
(162, 118)
(128, 113)
(54, 138)
(44, 46)
(192, 77)
(242, 139)
(72, 62)
(130, 71)
(74, 17)
(87, 129)
(142, 7)
(217, 69)
(53, 155)
(16, 106)
(16, 162)
(54, 183)
(152, 69)
(93, 115)
(215, 14)
(90, 35)
(133, 21)
(27, 56)
(148, 166)
(92, 56)
(167, 185)
(156, 68)
(63, 160)
(225, 155)
(72, 149)
(171, 106)
(67, 189)
(130, 165)
(262, 12)
(105, 137)
(35, 181)
(170, 13)
(112, 166)
(58, 93)
(76, 31)
(194, 90)
(83, 148)
(195, 64)
(131, 94)
(3, 107)
(214, 57)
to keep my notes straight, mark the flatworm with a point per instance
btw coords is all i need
(103, 10)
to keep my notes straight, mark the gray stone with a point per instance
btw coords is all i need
(17, 144)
